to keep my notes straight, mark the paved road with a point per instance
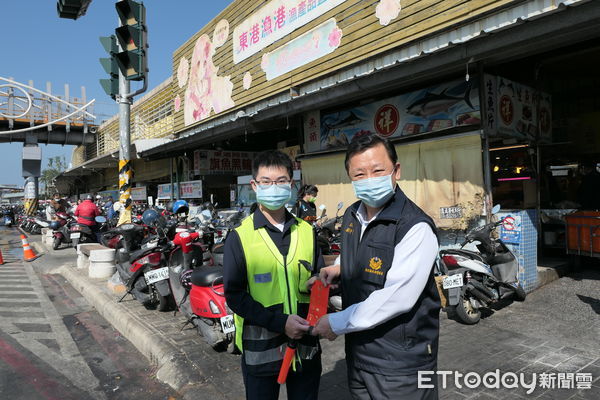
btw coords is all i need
(53, 345)
(555, 331)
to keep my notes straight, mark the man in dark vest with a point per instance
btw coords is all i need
(390, 301)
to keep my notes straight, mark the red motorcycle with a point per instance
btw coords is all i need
(197, 286)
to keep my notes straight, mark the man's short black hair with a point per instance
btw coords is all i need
(363, 142)
(272, 158)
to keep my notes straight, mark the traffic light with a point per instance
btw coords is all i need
(72, 9)
(111, 85)
(132, 36)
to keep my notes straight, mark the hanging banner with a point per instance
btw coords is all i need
(210, 161)
(440, 107)
(312, 45)
(273, 21)
(516, 110)
(139, 193)
(190, 190)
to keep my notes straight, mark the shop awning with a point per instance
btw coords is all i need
(111, 160)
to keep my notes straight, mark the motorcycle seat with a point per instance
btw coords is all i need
(473, 255)
(136, 254)
(205, 276)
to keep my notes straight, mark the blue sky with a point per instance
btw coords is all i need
(42, 47)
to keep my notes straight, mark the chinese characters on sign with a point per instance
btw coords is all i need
(139, 193)
(190, 190)
(517, 110)
(387, 119)
(274, 21)
(312, 127)
(210, 161)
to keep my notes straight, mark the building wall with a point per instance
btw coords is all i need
(208, 81)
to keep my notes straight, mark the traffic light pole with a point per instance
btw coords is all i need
(125, 167)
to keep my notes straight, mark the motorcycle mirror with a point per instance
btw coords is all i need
(100, 219)
(496, 209)
(340, 205)
(322, 207)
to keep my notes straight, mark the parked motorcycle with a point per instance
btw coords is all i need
(476, 280)
(142, 268)
(61, 229)
(328, 232)
(197, 287)
(81, 233)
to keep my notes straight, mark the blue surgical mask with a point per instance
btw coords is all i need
(375, 191)
(273, 197)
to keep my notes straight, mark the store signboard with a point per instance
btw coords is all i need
(510, 230)
(312, 126)
(440, 107)
(139, 193)
(516, 110)
(274, 21)
(110, 193)
(314, 44)
(190, 190)
(211, 161)
(164, 191)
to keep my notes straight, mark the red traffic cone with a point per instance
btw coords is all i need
(28, 253)
(1, 258)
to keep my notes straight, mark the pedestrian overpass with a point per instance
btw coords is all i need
(30, 115)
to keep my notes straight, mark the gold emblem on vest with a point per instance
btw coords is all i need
(374, 266)
(350, 228)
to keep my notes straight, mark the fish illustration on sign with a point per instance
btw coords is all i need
(433, 103)
(350, 120)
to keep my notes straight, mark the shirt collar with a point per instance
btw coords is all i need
(260, 221)
(361, 214)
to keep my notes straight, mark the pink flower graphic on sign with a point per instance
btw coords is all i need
(247, 80)
(182, 72)
(335, 37)
(264, 62)
(177, 103)
(387, 10)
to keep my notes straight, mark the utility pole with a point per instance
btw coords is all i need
(125, 168)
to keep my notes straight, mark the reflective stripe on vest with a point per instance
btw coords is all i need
(273, 280)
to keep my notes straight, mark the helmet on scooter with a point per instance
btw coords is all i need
(186, 279)
(150, 217)
(180, 207)
(55, 225)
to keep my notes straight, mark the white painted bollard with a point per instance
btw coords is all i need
(82, 258)
(47, 237)
(102, 263)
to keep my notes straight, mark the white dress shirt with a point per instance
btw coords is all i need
(406, 279)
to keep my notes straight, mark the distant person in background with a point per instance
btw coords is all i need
(86, 214)
(108, 208)
(588, 194)
(305, 207)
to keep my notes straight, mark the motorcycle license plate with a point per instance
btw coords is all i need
(156, 275)
(452, 281)
(75, 235)
(227, 324)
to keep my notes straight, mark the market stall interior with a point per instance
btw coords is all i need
(550, 161)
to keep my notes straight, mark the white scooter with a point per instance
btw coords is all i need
(475, 280)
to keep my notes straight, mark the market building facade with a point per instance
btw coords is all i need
(486, 101)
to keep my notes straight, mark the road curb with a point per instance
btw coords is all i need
(546, 275)
(174, 368)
